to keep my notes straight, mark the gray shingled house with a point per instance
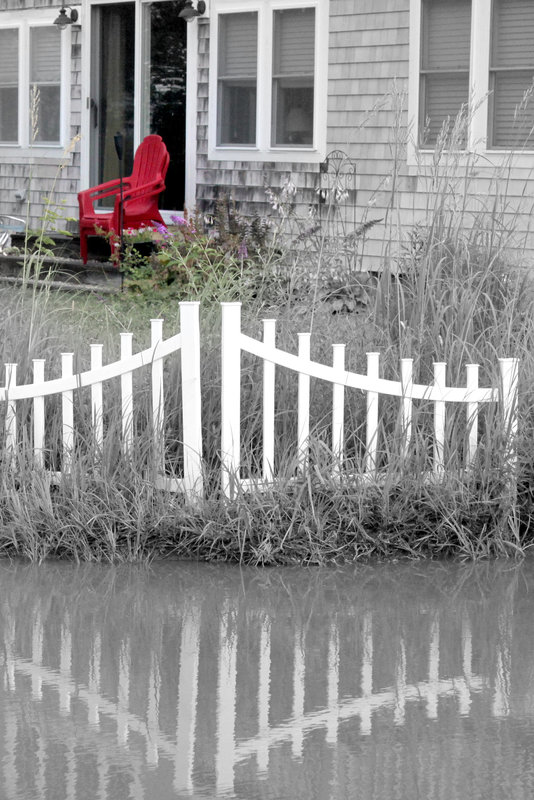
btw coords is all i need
(251, 92)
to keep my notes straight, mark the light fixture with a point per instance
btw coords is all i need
(63, 19)
(189, 13)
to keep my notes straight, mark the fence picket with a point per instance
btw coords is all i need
(67, 411)
(338, 407)
(38, 414)
(269, 338)
(472, 414)
(406, 405)
(371, 435)
(11, 410)
(230, 395)
(127, 395)
(439, 419)
(191, 398)
(509, 380)
(97, 411)
(303, 413)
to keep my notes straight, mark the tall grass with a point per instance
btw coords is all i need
(449, 291)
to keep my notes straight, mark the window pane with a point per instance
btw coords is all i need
(45, 76)
(511, 106)
(446, 34)
(9, 93)
(513, 34)
(443, 96)
(48, 114)
(238, 59)
(293, 76)
(513, 110)
(445, 54)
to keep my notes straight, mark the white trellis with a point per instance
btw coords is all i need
(187, 342)
(234, 342)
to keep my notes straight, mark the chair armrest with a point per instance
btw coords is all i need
(87, 197)
(144, 190)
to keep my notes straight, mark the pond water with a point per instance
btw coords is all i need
(175, 680)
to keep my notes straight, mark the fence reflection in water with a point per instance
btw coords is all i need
(113, 680)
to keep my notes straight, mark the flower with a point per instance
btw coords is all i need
(242, 250)
(162, 230)
(144, 233)
(178, 220)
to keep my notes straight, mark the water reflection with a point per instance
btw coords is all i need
(193, 681)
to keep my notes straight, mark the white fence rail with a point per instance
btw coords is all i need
(233, 343)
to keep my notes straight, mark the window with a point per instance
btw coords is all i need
(463, 56)
(9, 81)
(268, 67)
(31, 85)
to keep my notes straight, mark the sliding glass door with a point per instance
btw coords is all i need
(157, 100)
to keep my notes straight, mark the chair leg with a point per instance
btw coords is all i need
(83, 246)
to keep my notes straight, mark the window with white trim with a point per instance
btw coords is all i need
(269, 65)
(31, 68)
(477, 56)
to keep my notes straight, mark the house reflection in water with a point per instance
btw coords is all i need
(192, 681)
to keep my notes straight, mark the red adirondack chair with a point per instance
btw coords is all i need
(139, 198)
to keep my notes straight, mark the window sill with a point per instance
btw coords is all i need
(31, 155)
(299, 155)
(483, 159)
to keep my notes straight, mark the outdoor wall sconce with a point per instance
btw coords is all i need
(63, 19)
(189, 13)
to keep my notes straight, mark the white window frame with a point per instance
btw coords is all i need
(263, 150)
(24, 21)
(477, 135)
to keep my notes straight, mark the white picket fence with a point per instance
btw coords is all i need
(187, 343)
(233, 343)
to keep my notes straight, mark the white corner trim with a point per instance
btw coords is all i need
(191, 107)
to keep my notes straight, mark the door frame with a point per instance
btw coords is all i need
(191, 94)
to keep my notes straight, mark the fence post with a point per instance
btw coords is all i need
(67, 412)
(371, 437)
(11, 411)
(269, 339)
(38, 414)
(508, 389)
(440, 380)
(303, 414)
(191, 398)
(230, 396)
